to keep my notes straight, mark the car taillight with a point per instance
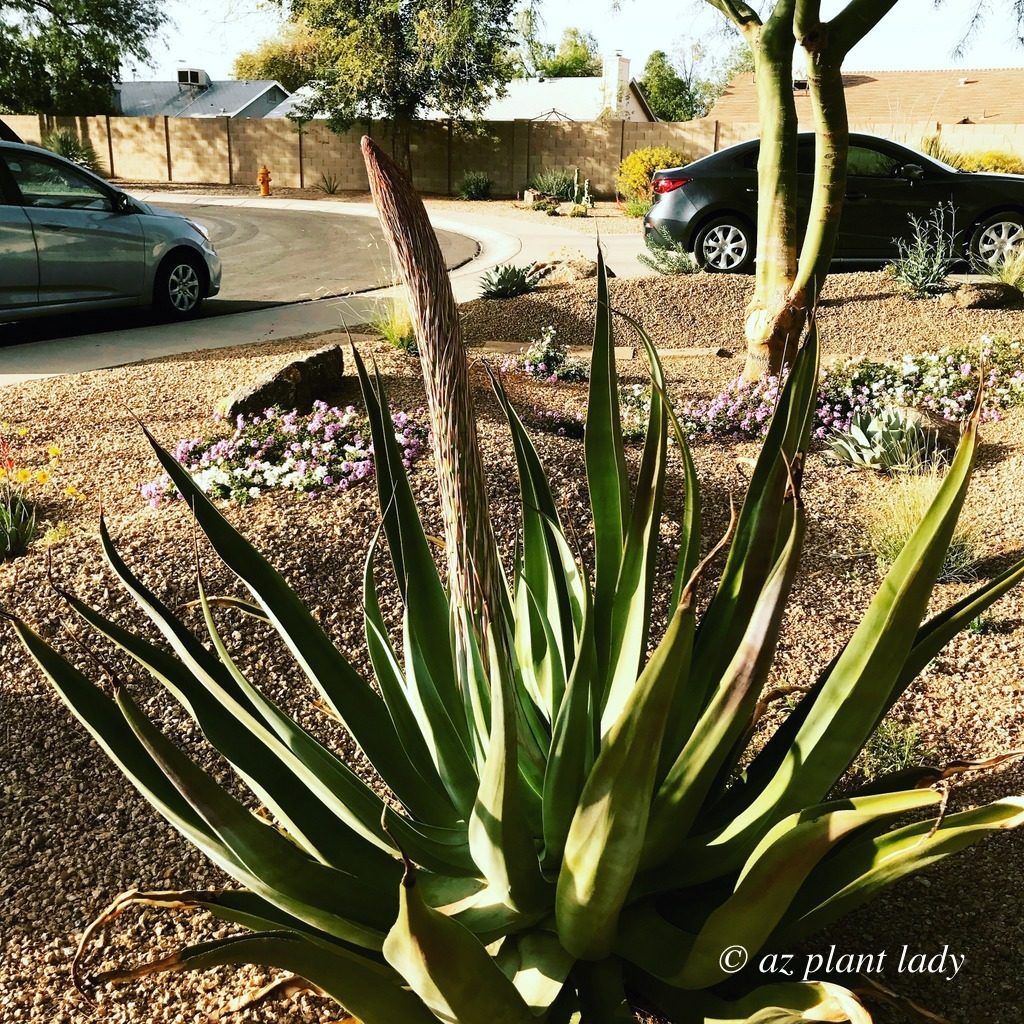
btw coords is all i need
(663, 185)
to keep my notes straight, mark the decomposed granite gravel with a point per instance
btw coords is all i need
(75, 834)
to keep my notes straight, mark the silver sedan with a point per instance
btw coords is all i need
(70, 241)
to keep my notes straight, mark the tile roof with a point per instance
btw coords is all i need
(950, 96)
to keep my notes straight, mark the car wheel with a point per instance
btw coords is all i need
(725, 245)
(178, 290)
(997, 238)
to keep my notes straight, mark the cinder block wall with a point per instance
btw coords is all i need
(231, 151)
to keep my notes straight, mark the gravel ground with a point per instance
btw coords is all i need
(76, 835)
(857, 314)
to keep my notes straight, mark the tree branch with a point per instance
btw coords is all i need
(855, 21)
(742, 15)
(807, 22)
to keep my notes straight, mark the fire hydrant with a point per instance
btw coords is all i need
(263, 179)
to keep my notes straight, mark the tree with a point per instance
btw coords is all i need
(64, 56)
(788, 282)
(666, 92)
(290, 59)
(380, 59)
(576, 57)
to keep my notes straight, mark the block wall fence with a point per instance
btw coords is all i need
(225, 151)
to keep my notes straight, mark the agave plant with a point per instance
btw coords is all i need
(890, 440)
(566, 834)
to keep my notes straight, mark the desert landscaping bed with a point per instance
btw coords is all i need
(76, 835)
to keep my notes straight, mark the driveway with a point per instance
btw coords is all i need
(271, 257)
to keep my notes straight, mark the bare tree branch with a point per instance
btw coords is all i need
(743, 16)
(855, 21)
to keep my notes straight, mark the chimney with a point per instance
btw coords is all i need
(614, 81)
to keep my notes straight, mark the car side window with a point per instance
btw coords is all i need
(871, 163)
(50, 185)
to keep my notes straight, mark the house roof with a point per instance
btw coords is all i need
(949, 96)
(169, 99)
(530, 99)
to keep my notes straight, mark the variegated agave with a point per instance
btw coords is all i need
(569, 836)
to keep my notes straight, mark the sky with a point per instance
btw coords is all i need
(209, 33)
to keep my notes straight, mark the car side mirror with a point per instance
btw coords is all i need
(123, 203)
(912, 172)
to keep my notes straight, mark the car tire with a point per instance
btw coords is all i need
(179, 286)
(996, 237)
(725, 245)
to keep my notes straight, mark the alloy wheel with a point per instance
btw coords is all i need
(183, 288)
(725, 247)
(1000, 241)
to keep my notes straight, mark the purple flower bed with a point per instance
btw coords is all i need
(322, 452)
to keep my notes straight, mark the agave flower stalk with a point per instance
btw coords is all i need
(570, 833)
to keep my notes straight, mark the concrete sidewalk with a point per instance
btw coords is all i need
(501, 240)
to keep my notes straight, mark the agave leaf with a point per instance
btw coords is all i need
(856, 872)
(499, 836)
(774, 873)
(785, 1003)
(535, 962)
(370, 991)
(447, 967)
(606, 468)
(602, 992)
(238, 604)
(340, 904)
(864, 679)
(727, 716)
(605, 839)
(634, 590)
(351, 697)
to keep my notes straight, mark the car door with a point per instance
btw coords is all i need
(881, 198)
(87, 250)
(19, 266)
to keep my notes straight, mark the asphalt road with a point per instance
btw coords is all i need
(270, 257)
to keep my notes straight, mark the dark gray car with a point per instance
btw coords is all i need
(711, 205)
(70, 241)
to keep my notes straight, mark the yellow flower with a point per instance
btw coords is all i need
(71, 491)
(53, 451)
(22, 431)
(3, 473)
(22, 476)
(42, 476)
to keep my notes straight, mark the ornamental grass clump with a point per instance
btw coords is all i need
(564, 831)
(326, 451)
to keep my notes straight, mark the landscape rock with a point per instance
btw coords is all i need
(553, 273)
(295, 386)
(987, 295)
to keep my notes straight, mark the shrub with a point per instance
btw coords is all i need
(636, 207)
(891, 440)
(1009, 270)
(17, 521)
(894, 515)
(395, 326)
(637, 169)
(924, 262)
(67, 144)
(548, 206)
(328, 184)
(555, 789)
(990, 160)
(475, 185)
(579, 210)
(323, 452)
(548, 360)
(666, 255)
(507, 281)
(557, 183)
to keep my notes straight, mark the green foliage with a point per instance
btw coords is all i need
(377, 59)
(666, 255)
(395, 326)
(17, 521)
(507, 281)
(64, 56)
(894, 747)
(290, 58)
(475, 185)
(549, 206)
(557, 182)
(671, 97)
(328, 184)
(556, 813)
(897, 511)
(579, 210)
(576, 57)
(925, 260)
(1009, 270)
(67, 144)
(636, 208)
(890, 440)
(991, 161)
(637, 169)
